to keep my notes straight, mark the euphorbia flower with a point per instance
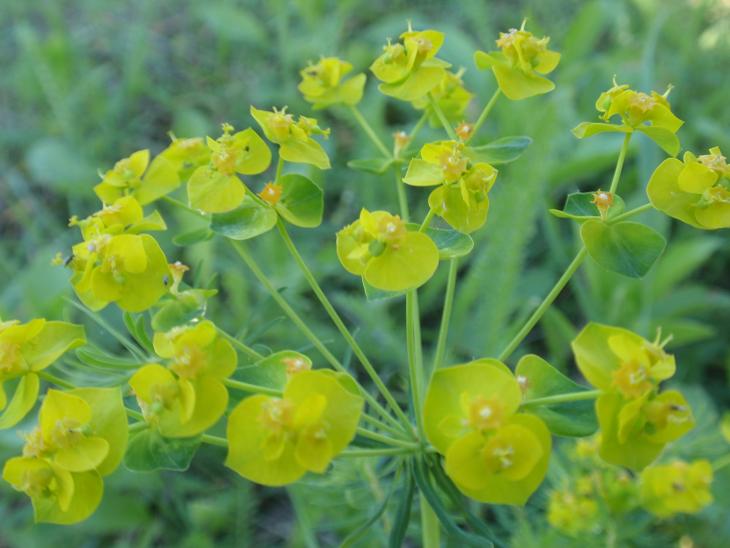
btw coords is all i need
(188, 396)
(451, 96)
(26, 349)
(678, 487)
(82, 436)
(323, 86)
(132, 176)
(462, 197)
(636, 421)
(128, 269)
(124, 216)
(275, 441)
(650, 114)
(410, 69)
(215, 187)
(572, 512)
(520, 64)
(493, 453)
(695, 191)
(294, 138)
(380, 248)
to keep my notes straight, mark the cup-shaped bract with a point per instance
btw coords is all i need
(215, 187)
(26, 349)
(275, 441)
(380, 248)
(409, 69)
(677, 487)
(492, 453)
(294, 138)
(695, 190)
(521, 64)
(323, 84)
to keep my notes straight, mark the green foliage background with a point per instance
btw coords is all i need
(86, 82)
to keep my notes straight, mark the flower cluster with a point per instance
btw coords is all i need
(461, 198)
(81, 437)
(275, 441)
(323, 85)
(636, 420)
(492, 452)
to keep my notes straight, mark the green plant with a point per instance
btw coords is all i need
(493, 453)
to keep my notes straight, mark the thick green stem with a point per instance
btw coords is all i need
(442, 118)
(279, 168)
(415, 361)
(214, 440)
(370, 132)
(417, 128)
(402, 196)
(620, 164)
(335, 317)
(181, 205)
(446, 315)
(562, 398)
(484, 114)
(240, 248)
(630, 213)
(251, 388)
(544, 305)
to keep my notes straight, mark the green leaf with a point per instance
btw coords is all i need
(149, 451)
(193, 237)
(588, 129)
(371, 165)
(373, 294)
(249, 220)
(301, 202)
(563, 419)
(451, 244)
(271, 371)
(579, 206)
(177, 312)
(501, 151)
(627, 248)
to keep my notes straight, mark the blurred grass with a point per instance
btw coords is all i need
(86, 82)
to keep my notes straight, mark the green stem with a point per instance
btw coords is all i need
(214, 440)
(630, 213)
(369, 131)
(134, 414)
(402, 196)
(251, 388)
(351, 453)
(442, 118)
(619, 164)
(335, 317)
(446, 315)
(427, 221)
(386, 439)
(562, 398)
(417, 128)
(186, 207)
(485, 113)
(430, 526)
(46, 376)
(302, 325)
(415, 365)
(382, 426)
(250, 352)
(137, 426)
(279, 168)
(544, 305)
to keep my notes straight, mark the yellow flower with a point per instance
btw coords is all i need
(275, 441)
(572, 513)
(26, 349)
(409, 69)
(678, 487)
(695, 191)
(380, 248)
(520, 65)
(493, 453)
(322, 84)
